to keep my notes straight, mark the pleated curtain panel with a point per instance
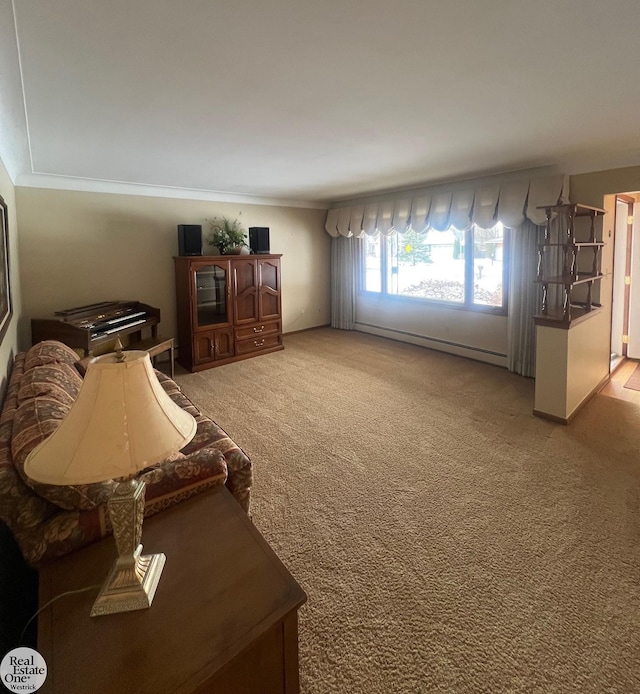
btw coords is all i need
(525, 297)
(514, 203)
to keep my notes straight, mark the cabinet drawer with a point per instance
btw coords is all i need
(257, 330)
(258, 343)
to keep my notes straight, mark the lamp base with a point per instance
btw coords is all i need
(130, 585)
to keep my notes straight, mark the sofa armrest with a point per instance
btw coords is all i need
(181, 477)
(210, 435)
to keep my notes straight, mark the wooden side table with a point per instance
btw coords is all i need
(154, 346)
(224, 617)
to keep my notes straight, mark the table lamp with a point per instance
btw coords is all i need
(121, 422)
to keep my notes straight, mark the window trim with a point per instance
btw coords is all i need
(468, 304)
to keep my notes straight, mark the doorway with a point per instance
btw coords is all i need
(622, 267)
(625, 307)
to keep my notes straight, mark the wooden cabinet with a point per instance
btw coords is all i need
(569, 264)
(224, 618)
(229, 308)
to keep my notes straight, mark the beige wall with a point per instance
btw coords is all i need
(568, 367)
(471, 334)
(551, 371)
(78, 247)
(10, 343)
(590, 188)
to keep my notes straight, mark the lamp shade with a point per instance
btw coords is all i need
(121, 422)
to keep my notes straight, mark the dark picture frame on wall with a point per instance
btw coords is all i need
(6, 307)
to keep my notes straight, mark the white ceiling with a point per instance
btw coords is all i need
(321, 101)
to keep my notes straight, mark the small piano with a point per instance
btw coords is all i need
(86, 327)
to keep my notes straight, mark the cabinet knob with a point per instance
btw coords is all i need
(258, 330)
(258, 343)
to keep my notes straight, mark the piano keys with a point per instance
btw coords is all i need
(87, 327)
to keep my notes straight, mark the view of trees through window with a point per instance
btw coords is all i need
(460, 267)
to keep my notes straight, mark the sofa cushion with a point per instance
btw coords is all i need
(37, 418)
(49, 352)
(57, 381)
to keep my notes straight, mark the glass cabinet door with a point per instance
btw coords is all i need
(211, 304)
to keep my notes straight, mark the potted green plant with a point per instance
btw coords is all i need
(227, 235)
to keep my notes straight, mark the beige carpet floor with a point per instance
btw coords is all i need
(448, 540)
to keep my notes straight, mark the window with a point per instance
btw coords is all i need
(465, 268)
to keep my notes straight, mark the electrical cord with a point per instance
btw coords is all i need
(57, 597)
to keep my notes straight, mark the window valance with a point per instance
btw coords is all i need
(509, 202)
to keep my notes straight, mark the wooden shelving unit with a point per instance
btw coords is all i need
(570, 266)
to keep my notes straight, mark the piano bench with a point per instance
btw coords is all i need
(155, 346)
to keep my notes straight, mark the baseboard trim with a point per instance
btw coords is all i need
(550, 417)
(306, 330)
(576, 411)
(477, 353)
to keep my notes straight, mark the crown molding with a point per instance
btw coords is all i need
(88, 185)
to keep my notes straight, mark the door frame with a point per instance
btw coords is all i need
(629, 202)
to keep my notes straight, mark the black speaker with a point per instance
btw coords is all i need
(189, 239)
(259, 239)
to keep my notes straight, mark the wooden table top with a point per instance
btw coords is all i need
(222, 587)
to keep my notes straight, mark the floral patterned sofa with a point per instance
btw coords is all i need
(49, 521)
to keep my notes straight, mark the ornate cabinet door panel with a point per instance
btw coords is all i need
(211, 293)
(203, 348)
(245, 279)
(223, 343)
(269, 294)
(213, 345)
